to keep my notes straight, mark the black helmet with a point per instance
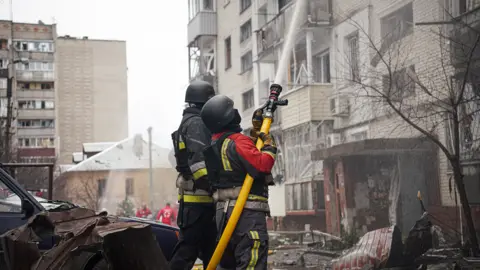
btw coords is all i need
(199, 92)
(218, 112)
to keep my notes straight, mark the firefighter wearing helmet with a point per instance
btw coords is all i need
(229, 158)
(196, 214)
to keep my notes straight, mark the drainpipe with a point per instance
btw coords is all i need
(309, 40)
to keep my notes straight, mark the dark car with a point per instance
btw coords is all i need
(16, 204)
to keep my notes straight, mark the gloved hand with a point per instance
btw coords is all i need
(257, 120)
(268, 140)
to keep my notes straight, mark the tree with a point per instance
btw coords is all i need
(126, 208)
(85, 189)
(427, 90)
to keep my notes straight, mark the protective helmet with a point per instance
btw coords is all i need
(218, 112)
(199, 92)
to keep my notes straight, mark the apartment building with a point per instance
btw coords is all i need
(338, 148)
(92, 93)
(66, 91)
(27, 55)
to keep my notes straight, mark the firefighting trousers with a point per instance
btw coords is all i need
(248, 247)
(197, 237)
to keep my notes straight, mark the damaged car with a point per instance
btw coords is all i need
(44, 234)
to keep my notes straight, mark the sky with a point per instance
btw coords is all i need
(157, 56)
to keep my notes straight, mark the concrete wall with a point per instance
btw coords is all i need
(92, 87)
(81, 187)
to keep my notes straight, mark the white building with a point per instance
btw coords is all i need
(240, 52)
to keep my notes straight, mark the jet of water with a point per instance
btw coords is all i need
(289, 40)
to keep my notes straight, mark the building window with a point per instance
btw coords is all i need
(36, 104)
(34, 46)
(40, 142)
(402, 85)
(207, 4)
(3, 44)
(248, 100)
(283, 3)
(353, 59)
(322, 67)
(246, 61)
(246, 31)
(228, 53)
(35, 86)
(3, 107)
(3, 63)
(101, 186)
(397, 25)
(3, 83)
(35, 66)
(36, 123)
(129, 187)
(244, 4)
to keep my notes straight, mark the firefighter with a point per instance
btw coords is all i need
(196, 217)
(229, 158)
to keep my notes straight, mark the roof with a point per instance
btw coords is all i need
(96, 146)
(124, 155)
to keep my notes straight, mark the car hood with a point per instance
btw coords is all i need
(148, 221)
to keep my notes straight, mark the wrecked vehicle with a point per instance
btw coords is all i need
(26, 221)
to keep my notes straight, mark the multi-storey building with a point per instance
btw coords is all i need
(27, 51)
(66, 91)
(360, 149)
(92, 93)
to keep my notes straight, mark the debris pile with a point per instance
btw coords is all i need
(83, 240)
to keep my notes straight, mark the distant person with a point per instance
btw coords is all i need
(143, 212)
(166, 215)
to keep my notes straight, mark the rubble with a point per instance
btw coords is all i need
(83, 240)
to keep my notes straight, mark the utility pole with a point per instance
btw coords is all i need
(150, 166)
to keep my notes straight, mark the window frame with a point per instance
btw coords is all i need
(246, 31)
(228, 52)
(246, 61)
(244, 5)
(250, 102)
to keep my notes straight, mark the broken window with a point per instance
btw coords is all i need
(246, 31)
(248, 100)
(3, 44)
(244, 4)
(353, 52)
(397, 25)
(228, 53)
(246, 61)
(3, 63)
(402, 85)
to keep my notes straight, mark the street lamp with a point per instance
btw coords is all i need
(150, 166)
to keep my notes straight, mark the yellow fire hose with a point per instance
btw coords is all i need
(247, 184)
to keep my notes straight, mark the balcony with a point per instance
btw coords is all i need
(35, 76)
(203, 24)
(305, 104)
(36, 94)
(464, 35)
(272, 33)
(32, 132)
(36, 114)
(4, 54)
(37, 56)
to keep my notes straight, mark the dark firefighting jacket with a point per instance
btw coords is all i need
(232, 156)
(189, 141)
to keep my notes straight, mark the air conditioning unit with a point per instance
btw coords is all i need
(340, 106)
(333, 139)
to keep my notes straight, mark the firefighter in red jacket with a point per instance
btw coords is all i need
(229, 158)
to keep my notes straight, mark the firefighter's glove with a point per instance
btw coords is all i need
(269, 146)
(267, 139)
(185, 184)
(257, 120)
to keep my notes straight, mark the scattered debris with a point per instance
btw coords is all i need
(83, 240)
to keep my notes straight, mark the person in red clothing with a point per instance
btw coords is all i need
(166, 215)
(143, 212)
(231, 156)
